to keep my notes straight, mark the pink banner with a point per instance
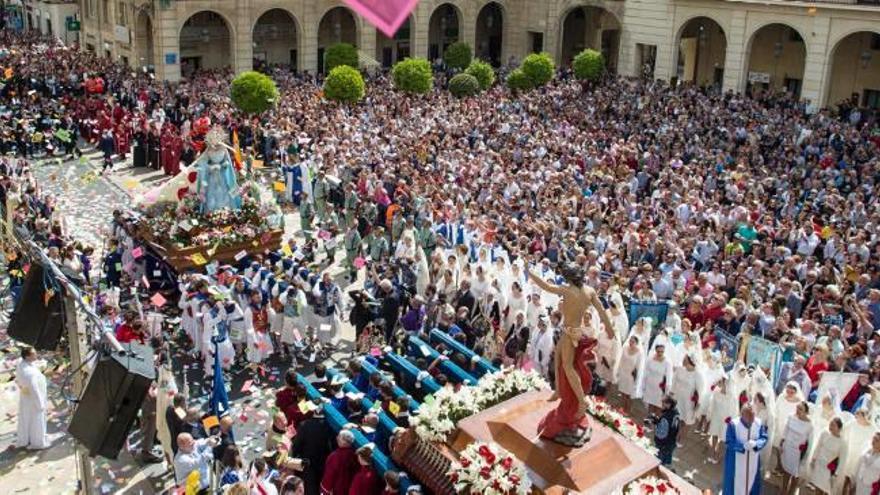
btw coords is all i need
(386, 15)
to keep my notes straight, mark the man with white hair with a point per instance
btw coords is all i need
(194, 455)
(341, 466)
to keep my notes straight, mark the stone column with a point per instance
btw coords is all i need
(166, 44)
(735, 58)
(419, 28)
(309, 43)
(815, 82)
(366, 38)
(243, 42)
(468, 31)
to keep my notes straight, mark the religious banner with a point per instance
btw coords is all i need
(386, 15)
(836, 382)
(766, 354)
(652, 310)
(728, 346)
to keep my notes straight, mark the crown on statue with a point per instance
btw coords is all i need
(215, 136)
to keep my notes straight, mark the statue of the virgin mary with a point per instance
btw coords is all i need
(217, 184)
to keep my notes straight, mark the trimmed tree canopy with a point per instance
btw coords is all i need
(464, 85)
(344, 84)
(413, 75)
(588, 64)
(483, 72)
(539, 68)
(340, 54)
(458, 55)
(518, 80)
(253, 92)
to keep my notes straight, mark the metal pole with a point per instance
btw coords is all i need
(87, 478)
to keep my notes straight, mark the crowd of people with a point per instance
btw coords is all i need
(745, 215)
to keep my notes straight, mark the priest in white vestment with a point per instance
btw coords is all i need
(745, 439)
(33, 402)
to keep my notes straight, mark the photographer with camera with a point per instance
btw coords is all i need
(667, 426)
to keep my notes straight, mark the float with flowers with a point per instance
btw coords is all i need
(486, 433)
(210, 212)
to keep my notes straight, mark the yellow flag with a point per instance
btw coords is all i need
(393, 408)
(285, 248)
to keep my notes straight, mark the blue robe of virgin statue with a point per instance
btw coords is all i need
(217, 185)
(742, 459)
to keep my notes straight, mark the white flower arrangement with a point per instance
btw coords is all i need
(620, 423)
(436, 420)
(488, 469)
(649, 485)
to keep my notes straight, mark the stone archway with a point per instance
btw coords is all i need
(590, 27)
(776, 57)
(205, 43)
(702, 47)
(276, 39)
(337, 26)
(143, 40)
(392, 50)
(444, 29)
(490, 33)
(854, 71)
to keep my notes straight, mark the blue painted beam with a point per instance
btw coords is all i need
(454, 371)
(483, 365)
(401, 364)
(367, 366)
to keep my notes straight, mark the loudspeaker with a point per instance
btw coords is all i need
(38, 322)
(112, 399)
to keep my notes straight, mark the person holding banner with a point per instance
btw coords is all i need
(786, 407)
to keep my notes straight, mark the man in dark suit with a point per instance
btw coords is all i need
(174, 416)
(464, 297)
(313, 443)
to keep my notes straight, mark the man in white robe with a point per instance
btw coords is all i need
(745, 438)
(32, 402)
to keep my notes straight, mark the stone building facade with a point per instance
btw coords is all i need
(823, 51)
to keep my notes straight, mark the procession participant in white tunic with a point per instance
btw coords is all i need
(516, 303)
(826, 410)
(608, 352)
(688, 383)
(722, 408)
(618, 315)
(33, 402)
(794, 445)
(642, 330)
(786, 407)
(868, 468)
(713, 371)
(293, 301)
(825, 463)
(657, 379)
(764, 410)
(215, 328)
(740, 381)
(256, 324)
(630, 369)
(165, 391)
(857, 437)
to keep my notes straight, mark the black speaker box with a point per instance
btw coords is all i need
(112, 399)
(36, 322)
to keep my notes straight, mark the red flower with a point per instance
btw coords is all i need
(875, 488)
(453, 477)
(514, 480)
(727, 420)
(649, 489)
(485, 472)
(832, 466)
(661, 488)
(617, 424)
(465, 463)
(507, 462)
(487, 454)
(695, 398)
(496, 485)
(663, 386)
(803, 447)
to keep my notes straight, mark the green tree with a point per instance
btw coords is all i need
(539, 68)
(483, 72)
(344, 84)
(464, 85)
(413, 75)
(517, 80)
(340, 54)
(458, 55)
(253, 92)
(588, 65)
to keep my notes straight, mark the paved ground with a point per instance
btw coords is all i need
(89, 200)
